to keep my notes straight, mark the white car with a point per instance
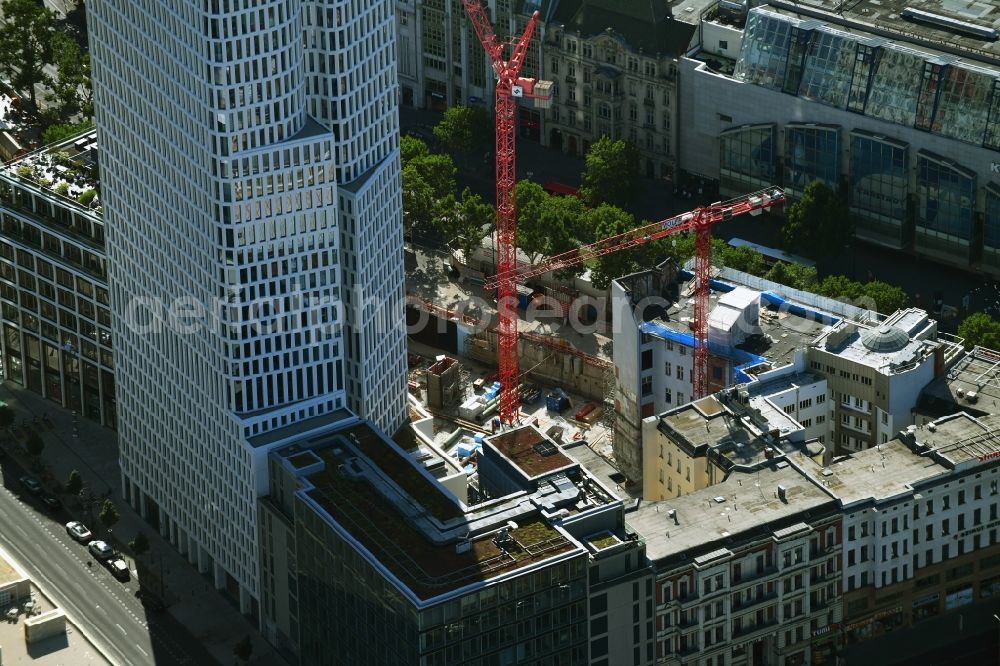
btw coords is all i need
(118, 568)
(100, 550)
(78, 531)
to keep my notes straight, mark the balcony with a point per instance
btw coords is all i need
(752, 629)
(649, 101)
(745, 605)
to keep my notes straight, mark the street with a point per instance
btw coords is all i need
(105, 608)
(658, 201)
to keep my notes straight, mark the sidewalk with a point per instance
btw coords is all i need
(76, 443)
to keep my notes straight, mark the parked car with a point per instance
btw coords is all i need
(51, 502)
(118, 568)
(100, 550)
(79, 531)
(31, 484)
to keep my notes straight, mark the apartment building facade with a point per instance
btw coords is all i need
(53, 281)
(754, 578)
(250, 173)
(614, 66)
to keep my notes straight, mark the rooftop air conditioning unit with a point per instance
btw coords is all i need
(971, 397)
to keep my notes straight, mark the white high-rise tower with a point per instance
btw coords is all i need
(250, 178)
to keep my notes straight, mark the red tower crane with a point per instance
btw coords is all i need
(510, 86)
(700, 221)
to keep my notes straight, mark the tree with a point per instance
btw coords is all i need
(795, 276)
(428, 188)
(74, 484)
(979, 329)
(34, 445)
(840, 287)
(243, 649)
(25, 34)
(71, 88)
(465, 129)
(607, 220)
(438, 171)
(411, 147)
(819, 224)
(60, 131)
(531, 235)
(611, 173)
(139, 544)
(468, 221)
(887, 298)
(108, 515)
(744, 259)
(6, 417)
(559, 221)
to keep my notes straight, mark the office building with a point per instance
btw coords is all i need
(250, 179)
(53, 279)
(374, 554)
(892, 105)
(754, 326)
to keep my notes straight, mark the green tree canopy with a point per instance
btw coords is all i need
(25, 35)
(60, 131)
(465, 129)
(819, 224)
(979, 329)
(531, 236)
(139, 544)
(881, 296)
(887, 298)
(793, 275)
(74, 484)
(467, 222)
(744, 259)
(428, 182)
(71, 89)
(109, 514)
(611, 173)
(411, 147)
(438, 171)
(607, 221)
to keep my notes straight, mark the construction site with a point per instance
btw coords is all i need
(491, 347)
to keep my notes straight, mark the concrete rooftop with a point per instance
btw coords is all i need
(977, 372)
(750, 507)
(884, 15)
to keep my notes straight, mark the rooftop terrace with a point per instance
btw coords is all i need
(742, 506)
(530, 451)
(67, 170)
(431, 543)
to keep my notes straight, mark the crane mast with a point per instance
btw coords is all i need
(509, 87)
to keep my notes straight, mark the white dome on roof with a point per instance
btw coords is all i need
(885, 339)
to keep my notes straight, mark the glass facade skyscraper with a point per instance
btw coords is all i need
(250, 168)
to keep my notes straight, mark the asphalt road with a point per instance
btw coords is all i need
(106, 608)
